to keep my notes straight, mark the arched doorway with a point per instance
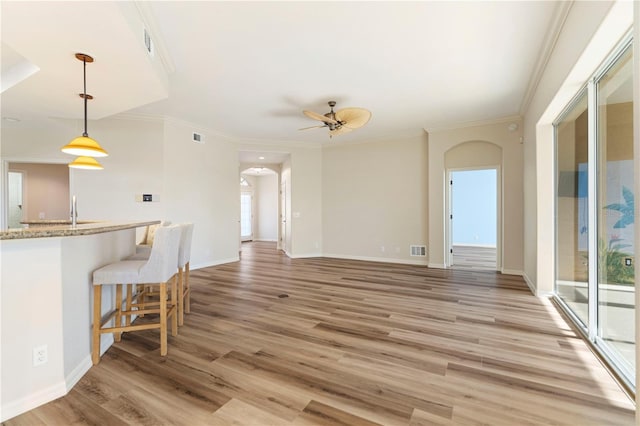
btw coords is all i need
(473, 207)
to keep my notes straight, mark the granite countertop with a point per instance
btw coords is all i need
(63, 229)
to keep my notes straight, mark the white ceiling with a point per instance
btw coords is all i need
(247, 69)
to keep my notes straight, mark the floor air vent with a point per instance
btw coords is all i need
(418, 251)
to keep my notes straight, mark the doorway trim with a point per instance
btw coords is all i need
(448, 212)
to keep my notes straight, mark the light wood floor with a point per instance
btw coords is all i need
(276, 341)
(474, 257)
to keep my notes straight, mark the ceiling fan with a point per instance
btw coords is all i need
(341, 121)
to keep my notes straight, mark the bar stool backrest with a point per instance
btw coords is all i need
(184, 254)
(163, 260)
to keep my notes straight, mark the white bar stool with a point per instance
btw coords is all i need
(159, 269)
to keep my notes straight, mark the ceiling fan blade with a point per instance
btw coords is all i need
(353, 118)
(319, 117)
(339, 131)
(312, 127)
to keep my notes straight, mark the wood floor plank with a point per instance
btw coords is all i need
(279, 341)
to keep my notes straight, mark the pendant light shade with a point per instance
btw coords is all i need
(84, 146)
(88, 163)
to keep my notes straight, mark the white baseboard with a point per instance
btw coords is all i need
(214, 263)
(266, 240)
(36, 399)
(511, 272)
(437, 265)
(530, 284)
(304, 256)
(105, 343)
(377, 259)
(77, 373)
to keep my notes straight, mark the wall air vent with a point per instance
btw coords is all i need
(418, 251)
(197, 138)
(148, 43)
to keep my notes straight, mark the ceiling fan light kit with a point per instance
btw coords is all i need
(84, 146)
(341, 121)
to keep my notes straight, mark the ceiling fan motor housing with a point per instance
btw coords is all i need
(332, 115)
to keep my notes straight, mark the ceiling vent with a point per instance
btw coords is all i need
(197, 138)
(148, 43)
(419, 251)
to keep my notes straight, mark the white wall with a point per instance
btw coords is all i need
(374, 199)
(441, 141)
(266, 207)
(306, 202)
(201, 183)
(29, 321)
(134, 166)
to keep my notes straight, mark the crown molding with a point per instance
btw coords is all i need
(548, 46)
(507, 119)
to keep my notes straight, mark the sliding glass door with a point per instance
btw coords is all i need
(595, 192)
(615, 211)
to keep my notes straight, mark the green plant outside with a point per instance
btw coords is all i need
(613, 269)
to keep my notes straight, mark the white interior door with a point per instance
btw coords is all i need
(246, 216)
(15, 204)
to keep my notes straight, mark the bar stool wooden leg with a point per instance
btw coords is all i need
(117, 336)
(180, 297)
(97, 319)
(141, 298)
(187, 293)
(174, 306)
(127, 320)
(163, 319)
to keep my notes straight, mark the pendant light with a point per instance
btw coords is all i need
(84, 145)
(84, 162)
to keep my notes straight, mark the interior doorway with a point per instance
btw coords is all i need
(473, 218)
(246, 216)
(34, 192)
(15, 199)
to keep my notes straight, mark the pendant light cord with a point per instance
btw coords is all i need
(84, 61)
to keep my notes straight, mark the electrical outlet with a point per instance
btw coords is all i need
(627, 261)
(40, 355)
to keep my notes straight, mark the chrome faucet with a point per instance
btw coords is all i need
(74, 211)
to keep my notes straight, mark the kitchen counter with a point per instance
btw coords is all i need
(62, 228)
(46, 289)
